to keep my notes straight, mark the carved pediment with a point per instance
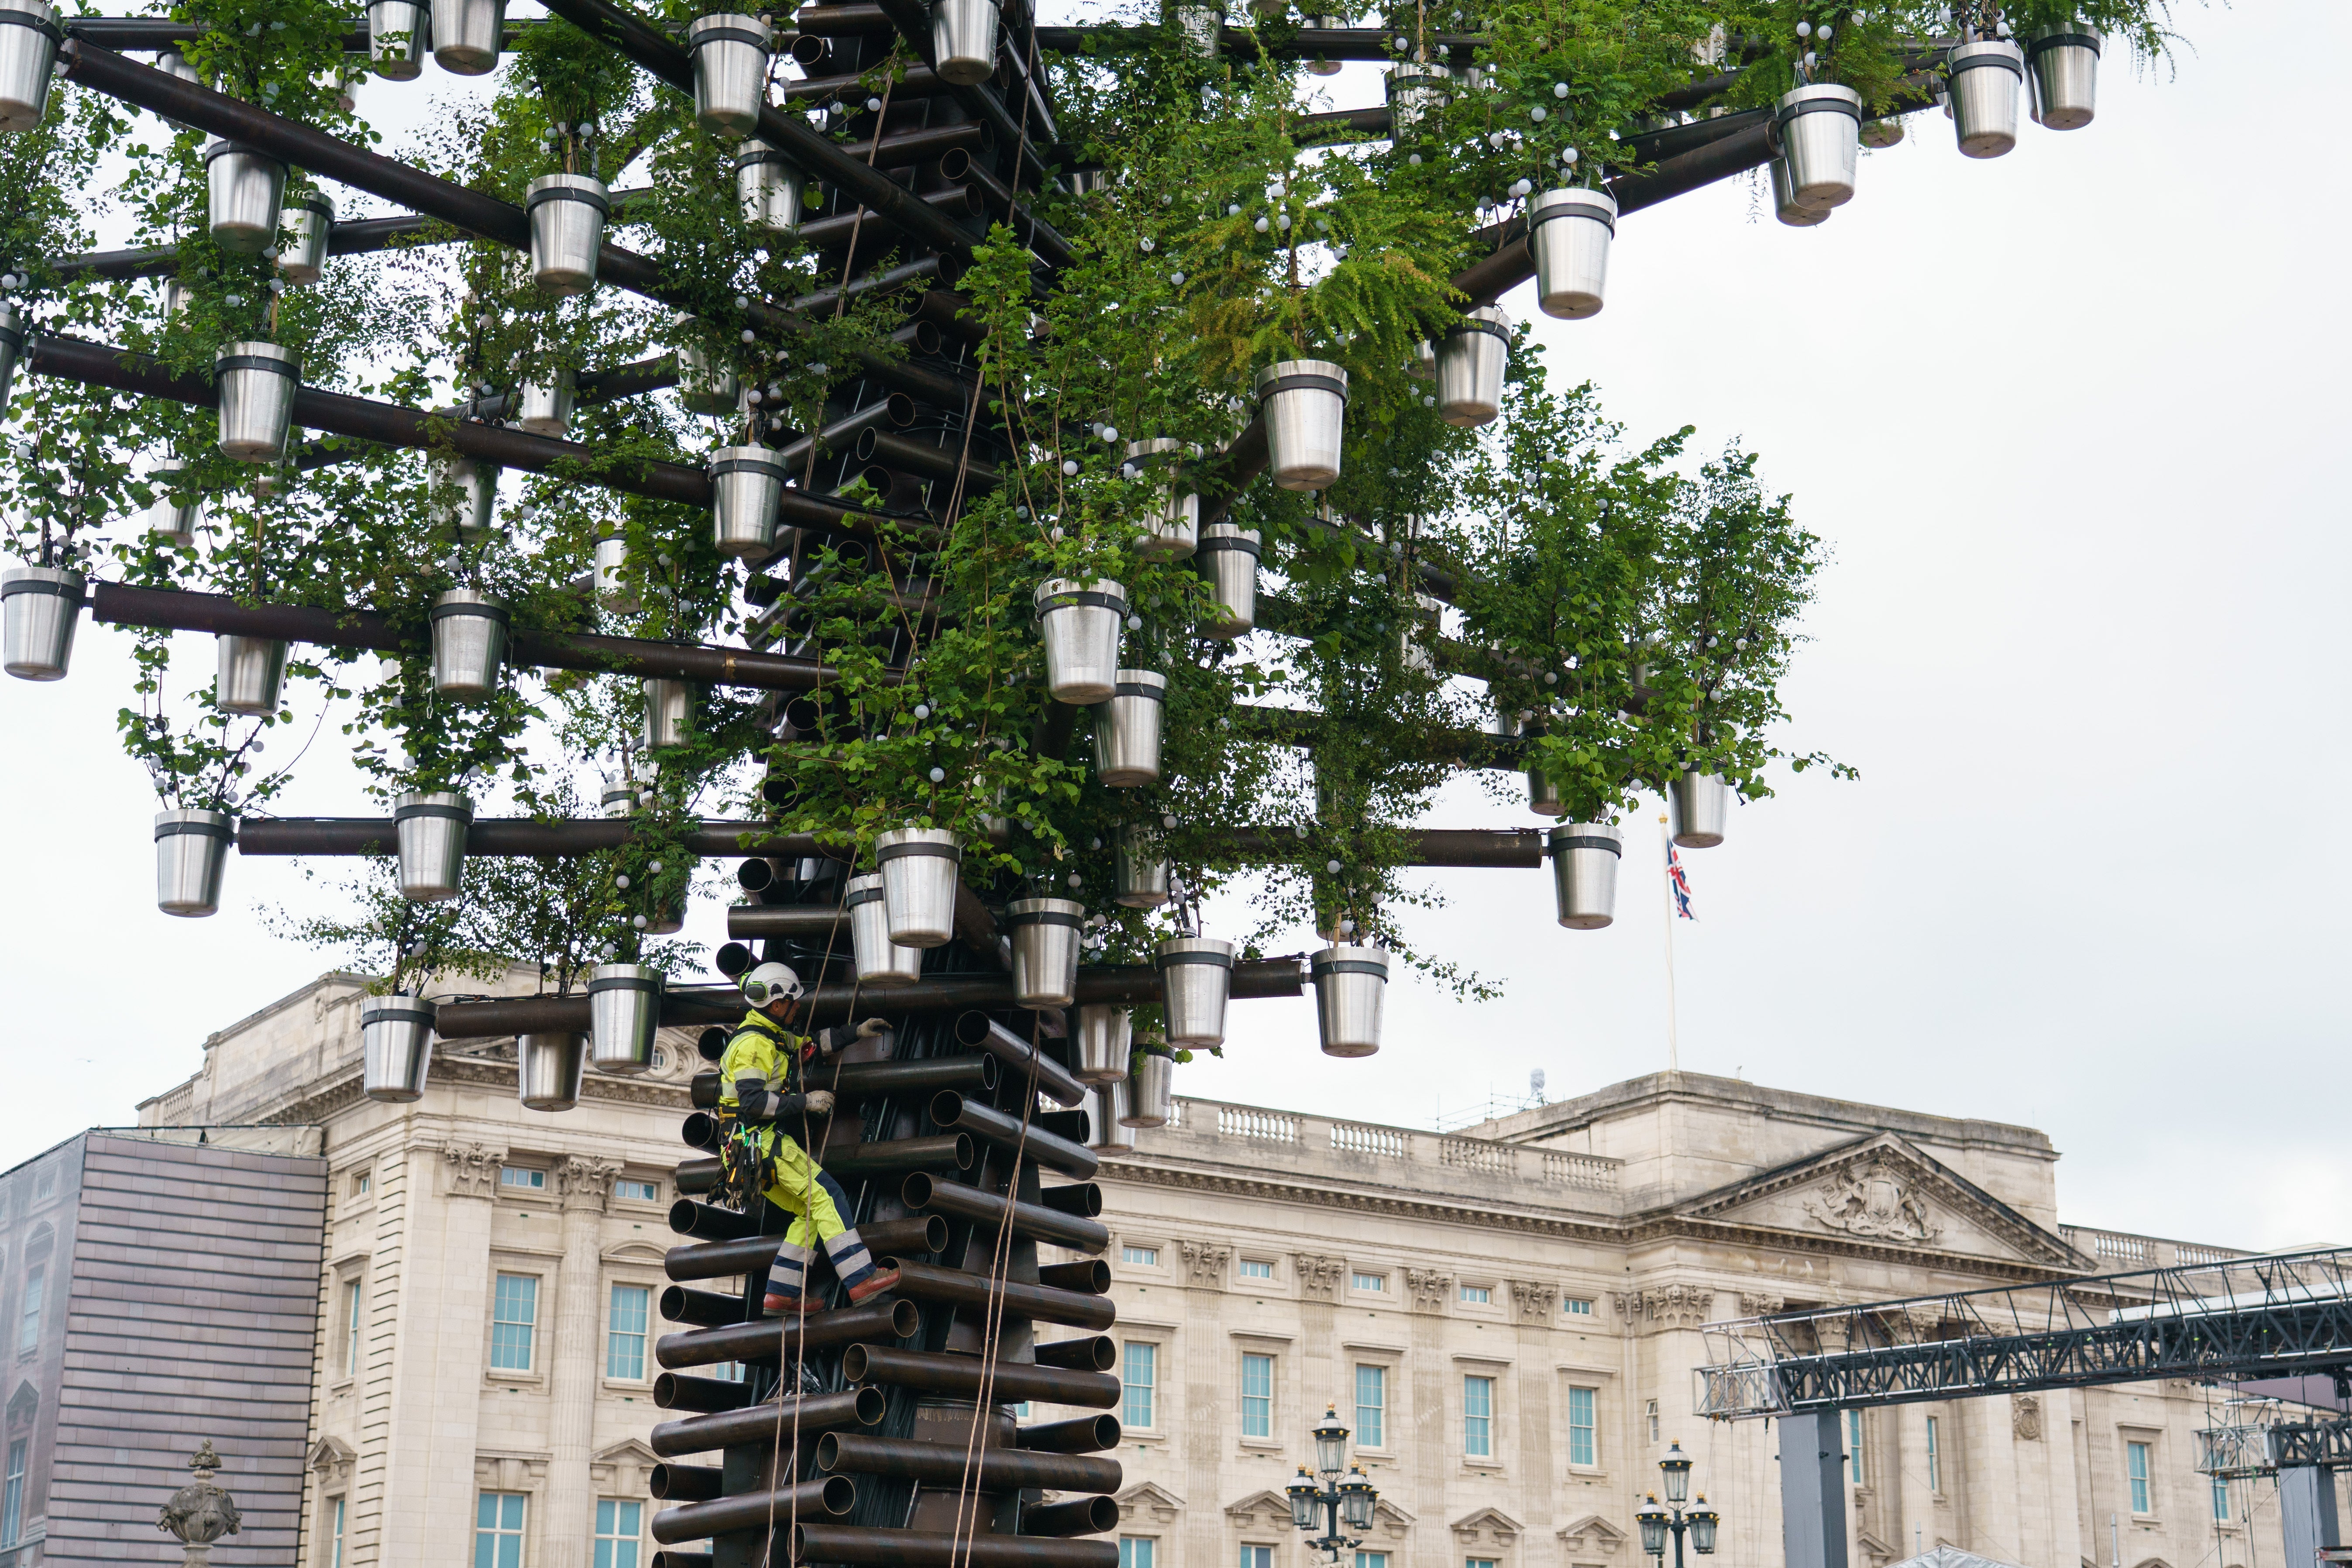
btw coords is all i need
(1591, 1533)
(1261, 1511)
(23, 1405)
(1875, 1550)
(622, 1468)
(636, 1252)
(1489, 1526)
(1148, 1502)
(332, 1458)
(1389, 1523)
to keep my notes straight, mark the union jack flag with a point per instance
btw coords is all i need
(1678, 882)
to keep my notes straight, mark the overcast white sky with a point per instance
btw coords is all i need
(2069, 421)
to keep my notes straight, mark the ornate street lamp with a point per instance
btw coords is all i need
(1658, 1522)
(1652, 1521)
(1302, 1494)
(1330, 1444)
(1676, 1470)
(1702, 1521)
(1333, 1503)
(1356, 1500)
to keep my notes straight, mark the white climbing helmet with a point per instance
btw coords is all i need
(772, 982)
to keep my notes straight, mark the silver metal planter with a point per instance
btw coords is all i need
(747, 484)
(1471, 359)
(191, 853)
(400, 35)
(1139, 869)
(1543, 795)
(1349, 984)
(2065, 76)
(256, 383)
(612, 559)
(176, 514)
(12, 345)
(29, 37)
(466, 34)
(964, 40)
(705, 385)
(1044, 936)
(920, 868)
(431, 829)
(619, 796)
(1584, 856)
(567, 230)
(1149, 1099)
(1081, 623)
(878, 959)
(545, 404)
(1304, 403)
(307, 223)
(1128, 729)
(1569, 230)
(245, 191)
(549, 1069)
(768, 183)
(623, 1011)
(1878, 134)
(1202, 29)
(1105, 1104)
(466, 497)
(1984, 78)
(1416, 91)
(1702, 801)
(1785, 205)
(730, 70)
(470, 643)
(1817, 132)
(1173, 533)
(41, 606)
(670, 712)
(396, 1047)
(1230, 557)
(249, 675)
(1105, 1037)
(1196, 976)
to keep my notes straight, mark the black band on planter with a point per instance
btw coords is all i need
(453, 813)
(39, 25)
(726, 465)
(220, 830)
(1815, 106)
(1137, 688)
(41, 585)
(1230, 541)
(2062, 41)
(899, 851)
(2006, 63)
(259, 361)
(488, 612)
(218, 149)
(1348, 966)
(1168, 1051)
(1222, 960)
(863, 896)
(1303, 383)
(399, 1016)
(1089, 597)
(1045, 917)
(1492, 329)
(570, 194)
(623, 983)
(1573, 209)
(729, 35)
(1589, 841)
(12, 336)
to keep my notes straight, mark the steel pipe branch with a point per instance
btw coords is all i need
(1041, 1303)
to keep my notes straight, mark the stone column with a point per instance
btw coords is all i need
(584, 1185)
(1210, 1416)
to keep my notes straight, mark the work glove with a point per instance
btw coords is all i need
(820, 1102)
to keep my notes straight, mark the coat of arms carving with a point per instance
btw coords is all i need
(1872, 1201)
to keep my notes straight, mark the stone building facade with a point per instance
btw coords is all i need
(1510, 1320)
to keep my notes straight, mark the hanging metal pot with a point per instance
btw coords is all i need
(396, 1047)
(177, 296)
(567, 230)
(1349, 984)
(308, 222)
(400, 35)
(1817, 132)
(730, 70)
(549, 1069)
(623, 1011)
(176, 514)
(1106, 1036)
(1149, 1099)
(1785, 205)
(1081, 623)
(12, 342)
(256, 383)
(747, 485)
(191, 853)
(879, 960)
(964, 40)
(250, 672)
(470, 643)
(768, 185)
(1584, 856)
(1044, 936)
(466, 492)
(1471, 359)
(704, 384)
(1196, 974)
(41, 606)
(1422, 366)
(2065, 80)
(1106, 1133)
(612, 586)
(545, 404)
(1177, 528)
(1417, 90)
(619, 797)
(1304, 405)
(920, 868)
(468, 34)
(244, 190)
(1984, 78)
(1878, 134)
(1569, 230)
(431, 830)
(1128, 729)
(29, 37)
(1543, 794)
(670, 712)
(1702, 801)
(1139, 871)
(1230, 555)
(1201, 27)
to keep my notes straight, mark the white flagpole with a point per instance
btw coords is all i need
(1665, 841)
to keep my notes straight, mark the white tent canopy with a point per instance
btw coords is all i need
(1951, 1557)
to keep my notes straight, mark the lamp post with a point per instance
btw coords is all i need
(1334, 1503)
(1656, 1521)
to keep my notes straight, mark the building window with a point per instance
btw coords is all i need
(1478, 1417)
(1257, 1396)
(624, 1338)
(729, 1371)
(1135, 1551)
(1256, 1269)
(1371, 1406)
(335, 1533)
(1146, 1256)
(514, 1317)
(363, 1184)
(1138, 1375)
(45, 1183)
(28, 1327)
(1372, 1560)
(1257, 1557)
(350, 1327)
(497, 1531)
(1583, 1445)
(637, 1191)
(1477, 1293)
(12, 1499)
(1477, 1562)
(516, 1176)
(1935, 1460)
(1854, 1445)
(1021, 1412)
(1577, 1306)
(2136, 1468)
(1652, 1412)
(619, 1526)
(1376, 1283)
(2221, 1501)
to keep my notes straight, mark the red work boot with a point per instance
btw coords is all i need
(873, 1285)
(776, 1306)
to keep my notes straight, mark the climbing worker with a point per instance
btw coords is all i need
(759, 1080)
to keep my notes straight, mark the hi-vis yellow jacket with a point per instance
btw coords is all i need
(763, 1048)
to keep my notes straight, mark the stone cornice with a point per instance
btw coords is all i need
(344, 1093)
